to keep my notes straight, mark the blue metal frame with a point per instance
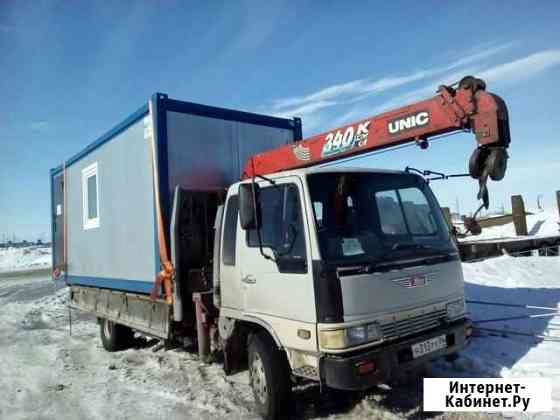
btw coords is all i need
(53, 213)
(228, 114)
(160, 132)
(138, 286)
(159, 139)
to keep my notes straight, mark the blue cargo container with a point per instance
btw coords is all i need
(111, 239)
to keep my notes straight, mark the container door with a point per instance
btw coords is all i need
(231, 244)
(177, 252)
(192, 243)
(58, 220)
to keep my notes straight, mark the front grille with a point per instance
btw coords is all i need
(396, 329)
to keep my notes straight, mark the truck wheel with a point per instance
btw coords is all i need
(115, 336)
(269, 376)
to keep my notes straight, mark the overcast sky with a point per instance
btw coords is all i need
(71, 70)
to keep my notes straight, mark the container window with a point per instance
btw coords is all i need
(90, 194)
(230, 231)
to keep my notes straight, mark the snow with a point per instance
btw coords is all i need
(28, 258)
(540, 224)
(531, 281)
(46, 373)
(49, 374)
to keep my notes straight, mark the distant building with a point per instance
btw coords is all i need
(24, 243)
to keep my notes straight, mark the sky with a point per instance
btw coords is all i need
(69, 71)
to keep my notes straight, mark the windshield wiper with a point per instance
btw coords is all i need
(435, 252)
(399, 245)
(382, 263)
(371, 264)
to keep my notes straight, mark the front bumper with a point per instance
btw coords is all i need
(342, 372)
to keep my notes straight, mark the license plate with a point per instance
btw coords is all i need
(428, 346)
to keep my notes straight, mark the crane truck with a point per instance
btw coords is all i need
(292, 269)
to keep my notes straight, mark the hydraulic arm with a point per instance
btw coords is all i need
(465, 108)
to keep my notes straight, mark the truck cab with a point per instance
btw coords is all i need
(350, 273)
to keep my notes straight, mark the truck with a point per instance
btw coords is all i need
(224, 230)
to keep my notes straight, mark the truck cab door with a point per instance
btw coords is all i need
(230, 285)
(281, 285)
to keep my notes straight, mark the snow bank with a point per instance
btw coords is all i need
(531, 281)
(544, 223)
(29, 258)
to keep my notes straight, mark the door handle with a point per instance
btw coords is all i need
(249, 279)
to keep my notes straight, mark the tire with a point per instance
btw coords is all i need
(269, 374)
(115, 336)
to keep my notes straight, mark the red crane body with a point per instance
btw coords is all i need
(469, 107)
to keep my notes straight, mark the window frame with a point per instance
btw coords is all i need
(88, 172)
(405, 216)
(283, 261)
(232, 201)
(273, 187)
(381, 214)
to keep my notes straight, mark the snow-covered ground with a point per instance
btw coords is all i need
(542, 223)
(533, 281)
(29, 258)
(48, 374)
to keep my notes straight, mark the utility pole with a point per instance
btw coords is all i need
(448, 218)
(558, 201)
(519, 217)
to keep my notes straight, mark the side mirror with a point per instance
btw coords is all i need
(249, 206)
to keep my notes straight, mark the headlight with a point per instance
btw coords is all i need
(374, 332)
(455, 309)
(350, 337)
(356, 335)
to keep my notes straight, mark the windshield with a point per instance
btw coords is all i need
(372, 216)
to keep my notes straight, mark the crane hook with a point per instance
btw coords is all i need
(487, 161)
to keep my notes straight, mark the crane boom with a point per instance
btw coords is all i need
(469, 107)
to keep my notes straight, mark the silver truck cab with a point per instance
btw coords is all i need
(351, 272)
